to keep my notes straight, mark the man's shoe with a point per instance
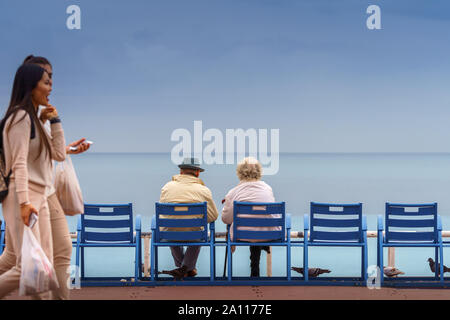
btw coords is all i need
(191, 273)
(177, 273)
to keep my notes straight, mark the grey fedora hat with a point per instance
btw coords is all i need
(191, 163)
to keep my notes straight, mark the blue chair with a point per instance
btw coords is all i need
(181, 215)
(403, 229)
(280, 237)
(329, 227)
(103, 225)
(2, 236)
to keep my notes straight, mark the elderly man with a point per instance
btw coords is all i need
(187, 187)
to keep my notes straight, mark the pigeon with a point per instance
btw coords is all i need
(392, 272)
(312, 272)
(433, 265)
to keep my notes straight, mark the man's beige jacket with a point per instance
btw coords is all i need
(185, 188)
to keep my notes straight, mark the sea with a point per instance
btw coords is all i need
(368, 178)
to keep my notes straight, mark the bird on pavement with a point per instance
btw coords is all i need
(392, 272)
(312, 272)
(433, 266)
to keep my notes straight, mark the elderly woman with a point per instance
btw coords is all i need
(249, 189)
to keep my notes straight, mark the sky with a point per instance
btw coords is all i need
(138, 70)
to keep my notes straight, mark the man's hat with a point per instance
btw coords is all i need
(191, 163)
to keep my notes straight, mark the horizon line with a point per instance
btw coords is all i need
(317, 152)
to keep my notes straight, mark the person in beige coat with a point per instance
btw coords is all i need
(187, 187)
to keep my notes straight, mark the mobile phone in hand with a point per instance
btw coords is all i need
(76, 148)
(33, 220)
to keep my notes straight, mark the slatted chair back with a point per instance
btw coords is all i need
(251, 214)
(336, 222)
(181, 222)
(411, 223)
(107, 223)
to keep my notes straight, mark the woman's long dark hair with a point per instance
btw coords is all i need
(36, 60)
(26, 79)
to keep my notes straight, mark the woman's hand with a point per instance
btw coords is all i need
(48, 113)
(25, 212)
(80, 145)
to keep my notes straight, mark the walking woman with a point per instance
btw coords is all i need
(62, 243)
(29, 152)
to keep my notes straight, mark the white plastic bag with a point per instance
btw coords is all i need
(38, 274)
(68, 189)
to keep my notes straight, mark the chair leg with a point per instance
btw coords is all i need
(82, 262)
(152, 262)
(305, 262)
(141, 265)
(380, 263)
(137, 266)
(230, 254)
(436, 258)
(364, 263)
(156, 262)
(212, 264)
(441, 267)
(288, 262)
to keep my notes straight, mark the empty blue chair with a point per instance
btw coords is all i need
(108, 225)
(2, 236)
(410, 225)
(181, 215)
(329, 225)
(241, 218)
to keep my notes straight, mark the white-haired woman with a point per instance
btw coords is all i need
(249, 189)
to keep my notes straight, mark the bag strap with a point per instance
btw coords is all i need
(2, 153)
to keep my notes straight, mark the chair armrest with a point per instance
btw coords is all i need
(380, 226)
(364, 223)
(212, 230)
(439, 223)
(138, 223)
(154, 223)
(288, 221)
(306, 222)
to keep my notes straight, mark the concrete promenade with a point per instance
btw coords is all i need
(252, 293)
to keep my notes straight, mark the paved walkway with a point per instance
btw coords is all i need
(253, 293)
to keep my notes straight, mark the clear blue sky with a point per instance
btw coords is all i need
(137, 70)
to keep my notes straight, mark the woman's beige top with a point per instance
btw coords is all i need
(21, 155)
